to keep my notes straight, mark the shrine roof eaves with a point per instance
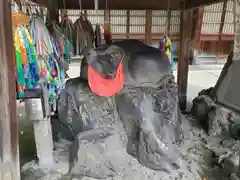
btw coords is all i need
(128, 4)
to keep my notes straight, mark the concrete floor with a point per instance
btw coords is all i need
(201, 77)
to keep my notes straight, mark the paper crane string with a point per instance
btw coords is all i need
(26, 64)
(38, 57)
(41, 37)
(108, 33)
(165, 45)
(62, 46)
(49, 50)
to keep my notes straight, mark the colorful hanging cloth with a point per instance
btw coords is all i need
(108, 33)
(41, 37)
(38, 57)
(165, 45)
(26, 64)
(62, 46)
(49, 50)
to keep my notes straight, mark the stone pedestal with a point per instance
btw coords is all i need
(42, 131)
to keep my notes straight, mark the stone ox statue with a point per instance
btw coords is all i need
(126, 99)
(143, 66)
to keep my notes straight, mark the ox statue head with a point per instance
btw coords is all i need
(105, 60)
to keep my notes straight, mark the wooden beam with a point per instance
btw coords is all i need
(131, 4)
(214, 37)
(128, 24)
(223, 15)
(142, 36)
(116, 4)
(148, 27)
(9, 147)
(194, 4)
(184, 55)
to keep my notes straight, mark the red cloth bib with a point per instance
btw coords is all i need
(106, 87)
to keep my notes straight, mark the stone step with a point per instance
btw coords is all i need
(211, 59)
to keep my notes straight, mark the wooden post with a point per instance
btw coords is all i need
(223, 14)
(200, 13)
(128, 24)
(169, 22)
(193, 57)
(53, 11)
(184, 55)
(222, 20)
(236, 15)
(236, 49)
(9, 147)
(148, 27)
(197, 33)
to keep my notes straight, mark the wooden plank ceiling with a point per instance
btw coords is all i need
(128, 4)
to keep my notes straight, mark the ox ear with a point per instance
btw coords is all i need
(85, 52)
(90, 55)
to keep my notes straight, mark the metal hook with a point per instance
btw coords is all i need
(18, 5)
(80, 6)
(96, 5)
(106, 1)
(64, 4)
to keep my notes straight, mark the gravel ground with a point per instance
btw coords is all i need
(194, 159)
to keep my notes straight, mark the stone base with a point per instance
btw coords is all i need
(147, 121)
(220, 124)
(214, 118)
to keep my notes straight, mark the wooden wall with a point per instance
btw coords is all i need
(219, 48)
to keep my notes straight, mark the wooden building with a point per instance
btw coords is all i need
(189, 37)
(215, 22)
